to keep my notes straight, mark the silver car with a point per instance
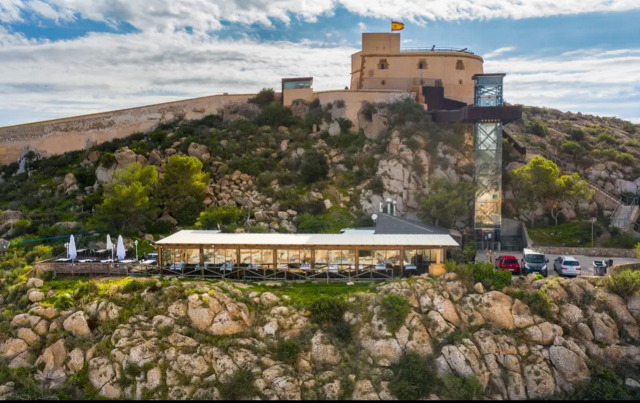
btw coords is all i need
(567, 266)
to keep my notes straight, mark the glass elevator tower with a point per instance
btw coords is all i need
(488, 156)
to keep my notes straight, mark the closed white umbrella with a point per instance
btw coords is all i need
(72, 248)
(120, 252)
(110, 245)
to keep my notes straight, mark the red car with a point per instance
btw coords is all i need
(508, 263)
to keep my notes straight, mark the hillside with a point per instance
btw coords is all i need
(261, 167)
(422, 338)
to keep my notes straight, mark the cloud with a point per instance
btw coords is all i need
(104, 71)
(362, 26)
(208, 15)
(498, 52)
(589, 80)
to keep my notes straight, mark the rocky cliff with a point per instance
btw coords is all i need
(211, 340)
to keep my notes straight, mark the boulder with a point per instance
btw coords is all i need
(35, 296)
(12, 347)
(70, 183)
(521, 315)
(77, 324)
(539, 380)
(569, 364)
(199, 151)
(364, 390)
(604, 328)
(102, 376)
(124, 157)
(286, 388)
(322, 352)
(27, 335)
(234, 111)
(495, 307)
(34, 283)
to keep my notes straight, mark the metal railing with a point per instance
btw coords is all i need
(436, 49)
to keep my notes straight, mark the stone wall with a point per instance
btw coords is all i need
(552, 250)
(617, 268)
(68, 134)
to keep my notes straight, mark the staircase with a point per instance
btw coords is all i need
(625, 209)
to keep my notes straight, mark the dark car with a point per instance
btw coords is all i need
(509, 263)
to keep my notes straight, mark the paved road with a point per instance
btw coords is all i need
(586, 262)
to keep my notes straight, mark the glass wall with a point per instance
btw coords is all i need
(220, 256)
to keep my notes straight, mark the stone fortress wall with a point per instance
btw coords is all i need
(75, 133)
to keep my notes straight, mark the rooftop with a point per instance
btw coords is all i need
(214, 239)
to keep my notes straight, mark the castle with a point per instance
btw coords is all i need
(440, 78)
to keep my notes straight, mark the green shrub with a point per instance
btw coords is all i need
(133, 286)
(539, 302)
(413, 144)
(629, 127)
(107, 160)
(394, 311)
(239, 386)
(339, 104)
(465, 274)
(469, 252)
(537, 128)
(626, 159)
(287, 351)
(225, 215)
(314, 166)
(456, 388)
(485, 273)
(414, 377)
(376, 185)
(264, 97)
(274, 114)
(624, 284)
(343, 333)
(607, 138)
(605, 386)
(327, 310)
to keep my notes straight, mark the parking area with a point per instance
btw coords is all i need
(586, 262)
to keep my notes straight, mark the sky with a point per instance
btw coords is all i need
(63, 58)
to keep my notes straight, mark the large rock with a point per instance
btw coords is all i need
(286, 388)
(199, 151)
(364, 391)
(495, 307)
(539, 379)
(125, 157)
(28, 335)
(569, 364)
(77, 324)
(53, 357)
(322, 352)
(12, 347)
(521, 315)
(102, 376)
(34, 282)
(604, 328)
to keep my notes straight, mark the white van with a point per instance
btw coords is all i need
(534, 262)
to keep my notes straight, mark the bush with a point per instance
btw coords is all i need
(264, 97)
(314, 166)
(239, 386)
(376, 185)
(485, 273)
(394, 311)
(287, 351)
(413, 144)
(537, 128)
(605, 386)
(577, 134)
(624, 284)
(327, 310)
(629, 127)
(456, 388)
(107, 160)
(607, 138)
(464, 273)
(538, 302)
(133, 286)
(225, 215)
(626, 159)
(469, 253)
(414, 377)
(274, 114)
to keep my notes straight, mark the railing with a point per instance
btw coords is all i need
(435, 49)
(625, 223)
(264, 272)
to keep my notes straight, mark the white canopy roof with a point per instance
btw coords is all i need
(215, 239)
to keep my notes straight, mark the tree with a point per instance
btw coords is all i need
(568, 189)
(264, 97)
(182, 188)
(446, 202)
(127, 204)
(225, 215)
(314, 166)
(533, 184)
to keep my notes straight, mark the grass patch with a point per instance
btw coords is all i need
(625, 284)
(538, 302)
(569, 234)
(287, 351)
(456, 388)
(239, 387)
(327, 310)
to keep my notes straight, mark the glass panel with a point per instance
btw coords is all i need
(322, 257)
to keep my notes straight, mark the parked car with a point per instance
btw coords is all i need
(534, 262)
(567, 266)
(509, 263)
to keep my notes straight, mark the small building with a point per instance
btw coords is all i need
(354, 256)
(296, 88)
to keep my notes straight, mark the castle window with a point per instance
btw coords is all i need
(422, 64)
(459, 65)
(371, 73)
(383, 82)
(383, 65)
(460, 81)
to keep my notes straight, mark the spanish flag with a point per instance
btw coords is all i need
(397, 26)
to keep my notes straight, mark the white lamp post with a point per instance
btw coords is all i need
(136, 243)
(66, 245)
(593, 220)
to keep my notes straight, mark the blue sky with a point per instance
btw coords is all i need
(68, 57)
